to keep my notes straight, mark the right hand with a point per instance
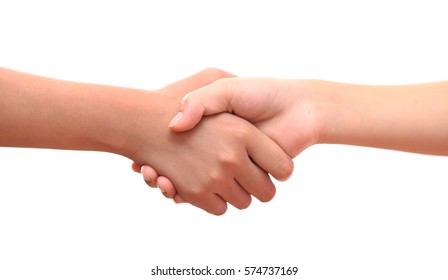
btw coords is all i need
(283, 109)
(225, 159)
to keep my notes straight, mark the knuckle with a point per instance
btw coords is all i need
(226, 84)
(229, 159)
(195, 191)
(215, 177)
(240, 132)
(215, 73)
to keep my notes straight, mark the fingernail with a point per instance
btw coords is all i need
(143, 174)
(176, 119)
(182, 102)
(161, 190)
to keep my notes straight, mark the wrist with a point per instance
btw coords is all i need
(139, 121)
(42, 112)
(344, 112)
(320, 104)
(330, 107)
(111, 116)
(329, 99)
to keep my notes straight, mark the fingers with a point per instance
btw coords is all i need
(236, 195)
(256, 181)
(250, 179)
(153, 180)
(269, 156)
(169, 190)
(136, 168)
(166, 187)
(212, 203)
(149, 175)
(178, 199)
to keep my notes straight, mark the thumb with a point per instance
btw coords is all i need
(208, 100)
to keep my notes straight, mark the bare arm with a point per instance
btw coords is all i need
(301, 113)
(410, 118)
(41, 112)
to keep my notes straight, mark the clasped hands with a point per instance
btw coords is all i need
(227, 157)
(204, 155)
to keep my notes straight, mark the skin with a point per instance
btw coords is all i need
(224, 160)
(412, 118)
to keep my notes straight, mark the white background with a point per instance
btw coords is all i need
(347, 212)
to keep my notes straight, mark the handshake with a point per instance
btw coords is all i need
(250, 130)
(213, 138)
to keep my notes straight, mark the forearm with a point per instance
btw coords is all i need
(410, 118)
(46, 113)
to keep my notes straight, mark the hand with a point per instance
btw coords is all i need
(282, 109)
(213, 162)
(152, 179)
(150, 176)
